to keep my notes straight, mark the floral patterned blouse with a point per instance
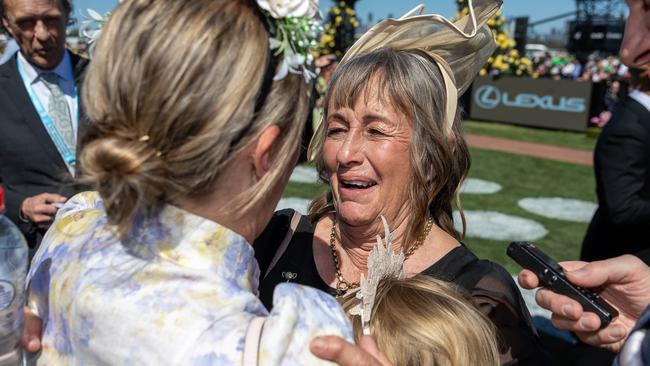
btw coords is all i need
(181, 291)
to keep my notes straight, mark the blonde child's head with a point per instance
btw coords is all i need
(424, 321)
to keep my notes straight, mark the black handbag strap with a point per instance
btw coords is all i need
(295, 220)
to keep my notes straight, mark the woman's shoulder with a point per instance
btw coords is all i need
(491, 280)
(477, 276)
(311, 304)
(77, 218)
(299, 314)
(82, 201)
(496, 295)
(60, 252)
(465, 269)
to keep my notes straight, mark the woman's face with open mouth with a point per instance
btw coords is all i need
(367, 159)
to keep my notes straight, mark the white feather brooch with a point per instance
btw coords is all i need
(382, 263)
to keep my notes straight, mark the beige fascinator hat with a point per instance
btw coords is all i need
(459, 48)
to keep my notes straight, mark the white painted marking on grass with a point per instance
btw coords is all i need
(304, 174)
(529, 298)
(299, 204)
(479, 186)
(560, 208)
(497, 226)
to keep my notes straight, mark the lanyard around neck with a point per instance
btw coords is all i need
(66, 152)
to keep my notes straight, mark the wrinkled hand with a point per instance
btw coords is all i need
(344, 353)
(32, 329)
(40, 210)
(623, 281)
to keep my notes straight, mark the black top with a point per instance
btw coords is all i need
(622, 169)
(492, 289)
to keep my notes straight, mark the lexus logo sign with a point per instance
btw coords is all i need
(489, 97)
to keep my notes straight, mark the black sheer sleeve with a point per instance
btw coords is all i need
(497, 296)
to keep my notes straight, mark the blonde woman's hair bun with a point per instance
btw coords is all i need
(127, 173)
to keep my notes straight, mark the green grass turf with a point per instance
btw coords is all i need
(304, 190)
(574, 140)
(520, 177)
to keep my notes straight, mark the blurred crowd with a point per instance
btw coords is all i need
(610, 77)
(595, 68)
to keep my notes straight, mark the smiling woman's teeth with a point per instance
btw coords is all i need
(357, 184)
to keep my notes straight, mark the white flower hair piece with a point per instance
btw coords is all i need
(295, 25)
(383, 263)
(290, 8)
(91, 27)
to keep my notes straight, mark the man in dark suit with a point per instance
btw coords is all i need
(40, 113)
(622, 166)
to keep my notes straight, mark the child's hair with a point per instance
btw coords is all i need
(424, 321)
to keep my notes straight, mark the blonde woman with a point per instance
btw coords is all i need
(193, 138)
(424, 321)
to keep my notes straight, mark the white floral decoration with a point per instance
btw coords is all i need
(295, 26)
(91, 27)
(290, 8)
(383, 263)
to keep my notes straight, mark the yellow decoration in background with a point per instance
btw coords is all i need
(340, 15)
(506, 59)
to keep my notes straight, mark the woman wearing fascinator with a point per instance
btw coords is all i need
(196, 110)
(390, 144)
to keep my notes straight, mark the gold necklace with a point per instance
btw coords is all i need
(343, 285)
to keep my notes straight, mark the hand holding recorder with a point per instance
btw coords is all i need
(624, 282)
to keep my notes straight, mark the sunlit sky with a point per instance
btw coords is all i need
(534, 9)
